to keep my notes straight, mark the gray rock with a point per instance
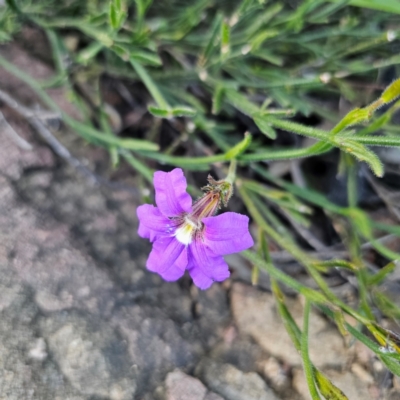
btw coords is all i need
(91, 356)
(213, 396)
(180, 386)
(154, 343)
(233, 384)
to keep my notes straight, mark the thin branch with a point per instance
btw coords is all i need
(12, 134)
(35, 118)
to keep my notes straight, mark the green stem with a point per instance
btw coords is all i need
(231, 172)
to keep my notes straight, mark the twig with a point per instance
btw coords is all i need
(12, 134)
(385, 194)
(306, 234)
(35, 118)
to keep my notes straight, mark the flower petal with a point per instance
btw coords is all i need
(152, 223)
(176, 271)
(227, 233)
(171, 196)
(167, 255)
(204, 267)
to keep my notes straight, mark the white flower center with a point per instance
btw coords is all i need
(184, 233)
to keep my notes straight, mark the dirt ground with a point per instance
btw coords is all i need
(81, 318)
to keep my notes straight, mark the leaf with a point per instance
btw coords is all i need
(391, 92)
(138, 166)
(183, 111)
(338, 264)
(382, 273)
(309, 369)
(355, 116)
(94, 33)
(179, 111)
(116, 14)
(90, 133)
(327, 388)
(388, 6)
(265, 126)
(215, 28)
(360, 221)
(145, 57)
(113, 16)
(240, 148)
(217, 99)
(89, 52)
(150, 84)
(362, 153)
(160, 112)
(225, 38)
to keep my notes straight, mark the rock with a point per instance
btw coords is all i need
(90, 355)
(212, 310)
(154, 343)
(180, 386)
(25, 371)
(233, 384)
(240, 352)
(275, 374)
(256, 315)
(212, 396)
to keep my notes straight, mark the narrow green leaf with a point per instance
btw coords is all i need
(388, 307)
(104, 138)
(160, 112)
(183, 111)
(289, 322)
(215, 29)
(388, 6)
(362, 153)
(179, 111)
(265, 127)
(88, 53)
(150, 84)
(391, 92)
(146, 58)
(354, 117)
(308, 367)
(138, 166)
(311, 294)
(240, 101)
(240, 148)
(382, 273)
(360, 220)
(225, 38)
(327, 388)
(340, 322)
(217, 99)
(192, 163)
(95, 33)
(113, 15)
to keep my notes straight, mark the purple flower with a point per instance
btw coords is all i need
(187, 236)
